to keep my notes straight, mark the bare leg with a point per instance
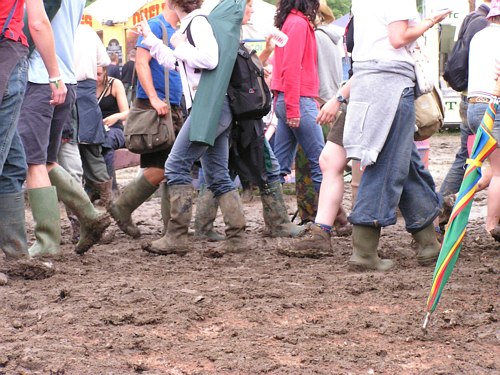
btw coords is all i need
(493, 215)
(154, 175)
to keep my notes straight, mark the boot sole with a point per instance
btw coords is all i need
(357, 267)
(102, 223)
(148, 248)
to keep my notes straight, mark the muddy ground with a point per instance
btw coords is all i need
(119, 310)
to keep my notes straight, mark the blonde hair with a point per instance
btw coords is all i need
(325, 15)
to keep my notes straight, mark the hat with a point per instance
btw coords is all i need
(494, 9)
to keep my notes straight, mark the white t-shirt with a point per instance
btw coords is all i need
(482, 55)
(371, 18)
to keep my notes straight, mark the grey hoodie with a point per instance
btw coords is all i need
(329, 61)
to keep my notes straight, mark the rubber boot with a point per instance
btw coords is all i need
(105, 193)
(12, 226)
(206, 212)
(364, 250)
(176, 240)
(92, 222)
(275, 214)
(134, 194)
(75, 226)
(341, 226)
(164, 206)
(234, 219)
(316, 244)
(428, 245)
(45, 209)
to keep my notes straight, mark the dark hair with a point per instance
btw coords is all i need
(187, 5)
(284, 7)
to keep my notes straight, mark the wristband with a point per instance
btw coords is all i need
(431, 22)
(55, 81)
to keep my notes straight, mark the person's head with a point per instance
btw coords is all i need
(325, 15)
(308, 7)
(494, 14)
(186, 6)
(248, 12)
(114, 58)
(102, 75)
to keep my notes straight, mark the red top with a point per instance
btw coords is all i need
(295, 71)
(15, 28)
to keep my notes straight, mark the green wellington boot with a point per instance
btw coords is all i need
(364, 250)
(47, 217)
(428, 245)
(206, 212)
(234, 219)
(92, 222)
(134, 194)
(12, 225)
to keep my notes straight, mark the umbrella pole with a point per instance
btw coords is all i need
(426, 321)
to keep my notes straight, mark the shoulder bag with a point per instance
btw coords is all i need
(429, 114)
(145, 131)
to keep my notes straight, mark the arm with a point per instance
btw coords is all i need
(267, 51)
(41, 31)
(329, 110)
(118, 91)
(160, 51)
(145, 77)
(401, 34)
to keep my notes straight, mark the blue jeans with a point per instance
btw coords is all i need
(272, 165)
(475, 114)
(13, 165)
(453, 179)
(398, 178)
(309, 135)
(214, 159)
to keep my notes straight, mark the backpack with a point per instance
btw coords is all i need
(456, 70)
(249, 95)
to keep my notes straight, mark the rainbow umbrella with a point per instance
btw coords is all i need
(484, 145)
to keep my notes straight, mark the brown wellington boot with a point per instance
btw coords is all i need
(342, 227)
(134, 194)
(275, 214)
(105, 193)
(316, 244)
(206, 212)
(92, 222)
(234, 218)
(364, 250)
(176, 240)
(428, 245)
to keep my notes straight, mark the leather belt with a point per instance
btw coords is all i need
(479, 99)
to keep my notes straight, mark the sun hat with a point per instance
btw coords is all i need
(494, 9)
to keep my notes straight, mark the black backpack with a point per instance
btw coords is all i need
(456, 70)
(249, 95)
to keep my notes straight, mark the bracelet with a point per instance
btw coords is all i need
(431, 22)
(55, 81)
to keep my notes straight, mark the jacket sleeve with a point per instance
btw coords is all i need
(159, 51)
(293, 54)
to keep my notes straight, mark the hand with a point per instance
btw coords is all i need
(111, 120)
(440, 15)
(293, 122)
(160, 106)
(178, 38)
(328, 112)
(58, 95)
(143, 27)
(269, 48)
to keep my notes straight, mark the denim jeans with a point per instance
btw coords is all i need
(475, 114)
(309, 135)
(272, 165)
(453, 179)
(13, 165)
(398, 178)
(214, 159)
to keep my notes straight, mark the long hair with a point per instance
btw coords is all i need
(284, 7)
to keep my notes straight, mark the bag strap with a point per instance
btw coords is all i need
(164, 37)
(103, 93)
(9, 18)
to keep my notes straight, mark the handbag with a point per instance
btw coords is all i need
(429, 114)
(423, 73)
(145, 131)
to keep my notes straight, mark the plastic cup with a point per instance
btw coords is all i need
(278, 37)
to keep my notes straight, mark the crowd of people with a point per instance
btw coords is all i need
(64, 109)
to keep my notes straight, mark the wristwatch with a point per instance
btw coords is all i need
(340, 98)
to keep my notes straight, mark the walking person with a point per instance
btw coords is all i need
(40, 126)
(150, 93)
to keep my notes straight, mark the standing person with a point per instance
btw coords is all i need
(114, 107)
(379, 132)
(195, 56)
(13, 80)
(150, 93)
(296, 85)
(40, 126)
(113, 68)
(90, 54)
(482, 59)
(128, 75)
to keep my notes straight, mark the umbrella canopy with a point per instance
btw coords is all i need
(484, 145)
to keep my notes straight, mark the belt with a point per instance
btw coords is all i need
(479, 99)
